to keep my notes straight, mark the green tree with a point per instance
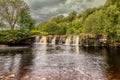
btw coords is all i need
(26, 21)
(63, 27)
(104, 21)
(10, 12)
(52, 28)
(86, 13)
(94, 23)
(74, 27)
(59, 19)
(71, 16)
(112, 13)
(112, 2)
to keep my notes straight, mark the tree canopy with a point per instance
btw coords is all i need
(11, 12)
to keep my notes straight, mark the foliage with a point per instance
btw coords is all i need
(59, 19)
(104, 21)
(51, 28)
(72, 16)
(112, 2)
(33, 32)
(73, 28)
(87, 13)
(12, 36)
(15, 13)
(11, 12)
(26, 21)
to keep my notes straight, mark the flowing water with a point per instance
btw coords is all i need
(53, 40)
(43, 40)
(76, 40)
(68, 40)
(60, 62)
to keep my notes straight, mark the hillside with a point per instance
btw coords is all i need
(104, 20)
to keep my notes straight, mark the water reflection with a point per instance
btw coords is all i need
(9, 62)
(66, 63)
(25, 64)
(58, 62)
(15, 62)
(113, 59)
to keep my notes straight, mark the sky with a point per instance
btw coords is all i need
(43, 10)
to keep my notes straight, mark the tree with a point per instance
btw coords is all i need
(58, 19)
(104, 21)
(112, 2)
(52, 28)
(86, 13)
(94, 23)
(26, 21)
(63, 27)
(74, 27)
(71, 16)
(10, 12)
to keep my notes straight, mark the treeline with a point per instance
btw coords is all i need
(104, 20)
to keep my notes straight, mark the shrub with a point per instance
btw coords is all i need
(13, 35)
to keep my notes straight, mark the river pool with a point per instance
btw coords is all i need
(60, 62)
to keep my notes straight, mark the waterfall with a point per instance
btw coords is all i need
(53, 40)
(76, 40)
(43, 40)
(37, 39)
(60, 41)
(68, 40)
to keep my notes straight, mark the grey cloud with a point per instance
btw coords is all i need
(38, 4)
(42, 10)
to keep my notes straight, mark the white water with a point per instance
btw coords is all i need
(43, 40)
(53, 40)
(60, 41)
(37, 39)
(68, 40)
(76, 40)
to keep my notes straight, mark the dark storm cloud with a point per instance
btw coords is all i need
(43, 10)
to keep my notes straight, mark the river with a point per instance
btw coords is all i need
(60, 62)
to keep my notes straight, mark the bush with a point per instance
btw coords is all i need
(13, 36)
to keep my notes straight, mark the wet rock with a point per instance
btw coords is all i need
(12, 75)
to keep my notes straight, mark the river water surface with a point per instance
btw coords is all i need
(59, 62)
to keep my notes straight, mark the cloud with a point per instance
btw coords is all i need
(42, 10)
